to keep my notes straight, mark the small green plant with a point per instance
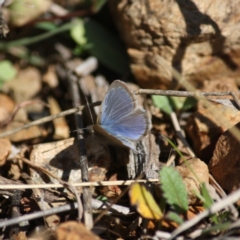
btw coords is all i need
(169, 104)
(174, 189)
(7, 71)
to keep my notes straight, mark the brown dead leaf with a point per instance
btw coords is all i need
(60, 125)
(189, 170)
(50, 77)
(225, 163)
(111, 191)
(191, 213)
(74, 231)
(20, 236)
(25, 86)
(61, 159)
(205, 126)
(6, 106)
(5, 150)
(25, 134)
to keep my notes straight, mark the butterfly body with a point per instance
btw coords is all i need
(120, 120)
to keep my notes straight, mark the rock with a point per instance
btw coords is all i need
(198, 38)
(189, 170)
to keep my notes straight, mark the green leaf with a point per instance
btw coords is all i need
(174, 189)
(182, 103)
(32, 40)
(97, 5)
(189, 103)
(218, 227)
(102, 198)
(7, 71)
(48, 26)
(208, 202)
(106, 47)
(174, 217)
(78, 33)
(163, 103)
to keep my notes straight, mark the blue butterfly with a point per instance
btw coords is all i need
(120, 120)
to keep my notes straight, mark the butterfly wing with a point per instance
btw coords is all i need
(120, 116)
(118, 102)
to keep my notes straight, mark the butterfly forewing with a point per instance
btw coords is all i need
(118, 102)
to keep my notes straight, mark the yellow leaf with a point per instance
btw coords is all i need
(144, 202)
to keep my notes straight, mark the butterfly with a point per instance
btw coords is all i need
(120, 120)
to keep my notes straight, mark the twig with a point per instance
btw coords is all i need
(87, 208)
(179, 132)
(66, 184)
(96, 204)
(56, 210)
(226, 202)
(84, 184)
(17, 108)
(52, 220)
(47, 119)
(221, 192)
(196, 94)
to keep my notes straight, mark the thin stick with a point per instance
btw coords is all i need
(17, 108)
(226, 202)
(60, 209)
(179, 132)
(196, 94)
(84, 184)
(48, 119)
(86, 194)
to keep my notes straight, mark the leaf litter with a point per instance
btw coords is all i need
(49, 153)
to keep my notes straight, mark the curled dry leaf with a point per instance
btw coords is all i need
(194, 172)
(111, 191)
(74, 230)
(225, 163)
(207, 124)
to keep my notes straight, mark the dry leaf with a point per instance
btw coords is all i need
(61, 129)
(5, 150)
(74, 231)
(206, 125)
(144, 202)
(189, 170)
(225, 163)
(6, 106)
